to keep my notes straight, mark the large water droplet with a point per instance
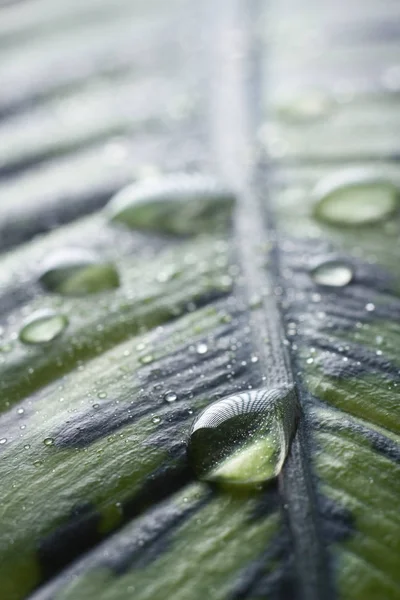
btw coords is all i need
(76, 272)
(180, 204)
(244, 439)
(332, 273)
(42, 327)
(355, 198)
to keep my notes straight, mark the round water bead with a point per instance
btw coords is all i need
(77, 272)
(356, 197)
(179, 204)
(43, 327)
(332, 273)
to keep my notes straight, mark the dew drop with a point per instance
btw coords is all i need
(48, 441)
(332, 273)
(77, 272)
(3, 441)
(357, 197)
(244, 439)
(20, 411)
(201, 348)
(170, 397)
(179, 204)
(156, 420)
(42, 327)
(146, 359)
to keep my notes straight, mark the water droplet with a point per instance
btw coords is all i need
(357, 197)
(156, 420)
(48, 441)
(20, 411)
(244, 439)
(254, 359)
(179, 204)
(309, 106)
(3, 441)
(170, 397)
(76, 272)
(332, 273)
(201, 348)
(370, 307)
(146, 359)
(96, 406)
(42, 327)
(27, 446)
(102, 395)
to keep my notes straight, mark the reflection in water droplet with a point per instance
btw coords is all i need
(309, 106)
(170, 397)
(244, 439)
(354, 198)
(48, 442)
(201, 348)
(76, 272)
(178, 204)
(332, 273)
(42, 327)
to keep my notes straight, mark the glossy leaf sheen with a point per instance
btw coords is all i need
(98, 499)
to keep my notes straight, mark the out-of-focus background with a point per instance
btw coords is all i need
(94, 94)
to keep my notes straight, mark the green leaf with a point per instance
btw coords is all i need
(99, 498)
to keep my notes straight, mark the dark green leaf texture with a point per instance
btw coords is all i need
(97, 497)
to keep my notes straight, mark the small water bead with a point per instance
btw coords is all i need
(156, 420)
(48, 441)
(43, 327)
(202, 348)
(170, 397)
(332, 273)
(77, 272)
(146, 359)
(370, 307)
(3, 441)
(355, 197)
(179, 204)
(20, 411)
(244, 439)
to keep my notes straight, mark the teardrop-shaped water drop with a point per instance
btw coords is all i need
(180, 204)
(43, 327)
(77, 272)
(357, 197)
(332, 273)
(244, 439)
